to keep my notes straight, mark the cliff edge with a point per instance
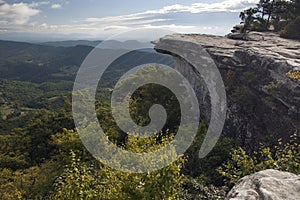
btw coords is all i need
(263, 100)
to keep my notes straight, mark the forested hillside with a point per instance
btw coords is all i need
(42, 157)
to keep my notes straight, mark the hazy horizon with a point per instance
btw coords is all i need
(57, 20)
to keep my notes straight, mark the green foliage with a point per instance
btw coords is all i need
(65, 142)
(273, 87)
(11, 155)
(76, 182)
(146, 96)
(35, 161)
(284, 157)
(41, 128)
(295, 75)
(30, 145)
(108, 123)
(259, 17)
(239, 85)
(206, 167)
(37, 63)
(150, 94)
(196, 189)
(295, 8)
(21, 95)
(141, 102)
(83, 180)
(31, 183)
(249, 19)
(245, 96)
(292, 30)
(279, 13)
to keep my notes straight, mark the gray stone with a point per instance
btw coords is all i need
(267, 185)
(261, 99)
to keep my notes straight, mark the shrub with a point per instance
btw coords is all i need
(292, 30)
(273, 87)
(295, 75)
(195, 189)
(284, 157)
(92, 180)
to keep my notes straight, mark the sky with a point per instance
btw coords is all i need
(99, 19)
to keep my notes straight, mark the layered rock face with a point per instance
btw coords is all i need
(263, 103)
(267, 185)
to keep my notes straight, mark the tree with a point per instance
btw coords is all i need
(270, 12)
(285, 157)
(92, 180)
(295, 8)
(248, 17)
(266, 8)
(31, 183)
(292, 30)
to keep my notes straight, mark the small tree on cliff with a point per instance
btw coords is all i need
(295, 8)
(269, 12)
(258, 18)
(248, 18)
(266, 9)
(291, 29)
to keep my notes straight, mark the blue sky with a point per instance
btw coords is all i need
(99, 19)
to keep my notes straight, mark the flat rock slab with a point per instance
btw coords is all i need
(267, 44)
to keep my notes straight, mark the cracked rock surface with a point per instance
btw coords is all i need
(263, 103)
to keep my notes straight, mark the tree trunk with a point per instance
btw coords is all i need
(270, 13)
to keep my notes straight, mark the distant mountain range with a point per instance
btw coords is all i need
(40, 38)
(72, 43)
(55, 61)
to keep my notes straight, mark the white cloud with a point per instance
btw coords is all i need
(128, 20)
(190, 29)
(224, 6)
(109, 28)
(46, 26)
(177, 17)
(56, 6)
(18, 13)
(172, 27)
(160, 15)
(227, 5)
(37, 4)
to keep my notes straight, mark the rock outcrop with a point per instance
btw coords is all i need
(267, 185)
(263, 102)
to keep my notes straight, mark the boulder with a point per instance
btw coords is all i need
(267, 185)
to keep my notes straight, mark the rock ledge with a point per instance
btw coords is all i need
(262, 100)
